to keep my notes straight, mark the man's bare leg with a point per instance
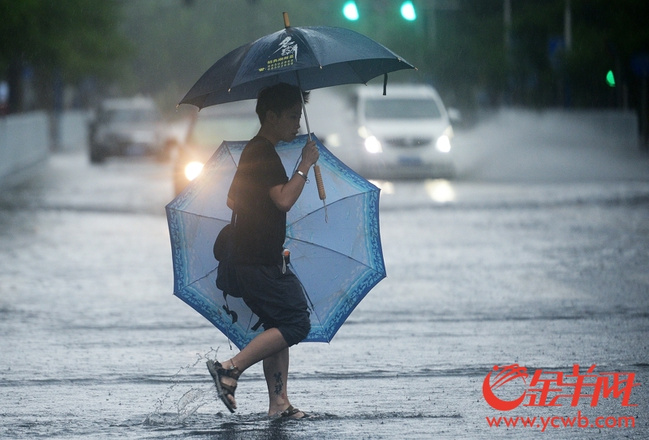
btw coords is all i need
(276, 373)
(264, 345)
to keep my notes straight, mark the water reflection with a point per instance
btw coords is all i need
(440, 190)
(437, 190)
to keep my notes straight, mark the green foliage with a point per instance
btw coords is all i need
(75, 37)
(457, 45)
(161, 47)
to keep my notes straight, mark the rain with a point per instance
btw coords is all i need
(516, 259)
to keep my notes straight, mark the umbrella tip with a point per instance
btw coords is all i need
(287, 24)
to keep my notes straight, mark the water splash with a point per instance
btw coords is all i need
(170, 409)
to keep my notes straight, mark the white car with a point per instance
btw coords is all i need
(405, 134)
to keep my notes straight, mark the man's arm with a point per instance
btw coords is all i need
(284, 196)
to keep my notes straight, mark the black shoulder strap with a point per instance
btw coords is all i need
(235, 197)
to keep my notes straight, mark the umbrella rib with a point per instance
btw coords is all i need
(312, 306)
(353, 69)
(231, 156)
(330, 250)
(323, 208)
(331, 204)
(202, 278)
(202, 216)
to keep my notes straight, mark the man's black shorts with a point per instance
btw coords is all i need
(278, 299)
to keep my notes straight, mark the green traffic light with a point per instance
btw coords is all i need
(610, 78)
(408, 11)
(350, 11)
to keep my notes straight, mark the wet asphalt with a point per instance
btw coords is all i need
(546, 273)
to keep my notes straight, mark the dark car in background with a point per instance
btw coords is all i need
(126, 127)
(211, 126)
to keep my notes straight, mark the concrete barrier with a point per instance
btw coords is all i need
(73, 131)
(24, 144)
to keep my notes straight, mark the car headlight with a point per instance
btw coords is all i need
(333, 140)
(443, 144)
(373, 145)
(193, 169)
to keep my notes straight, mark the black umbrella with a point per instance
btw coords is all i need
(308, 57)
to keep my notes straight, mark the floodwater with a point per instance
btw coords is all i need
(94, 345)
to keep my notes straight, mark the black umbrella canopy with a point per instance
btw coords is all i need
(308, 57)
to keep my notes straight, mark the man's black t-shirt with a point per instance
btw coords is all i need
(260, 227)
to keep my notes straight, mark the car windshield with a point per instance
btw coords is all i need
(209, 133)
(401, 108)
(131, 115)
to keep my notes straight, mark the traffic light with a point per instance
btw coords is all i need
(610, 78)
(350, 10)
(408, 11)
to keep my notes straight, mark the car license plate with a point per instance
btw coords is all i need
(136, 150)
(410, 160)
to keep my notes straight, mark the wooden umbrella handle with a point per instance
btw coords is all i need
(318, 180)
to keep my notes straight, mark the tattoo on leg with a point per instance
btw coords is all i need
(279, 384)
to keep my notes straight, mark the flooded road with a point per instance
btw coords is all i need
(544, 275)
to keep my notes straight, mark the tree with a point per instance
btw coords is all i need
(58, 42)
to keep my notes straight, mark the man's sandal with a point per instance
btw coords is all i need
(289, 412)
(224, 390)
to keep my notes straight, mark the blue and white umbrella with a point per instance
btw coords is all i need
(335, 250)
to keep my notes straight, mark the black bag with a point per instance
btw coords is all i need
(226, 276)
